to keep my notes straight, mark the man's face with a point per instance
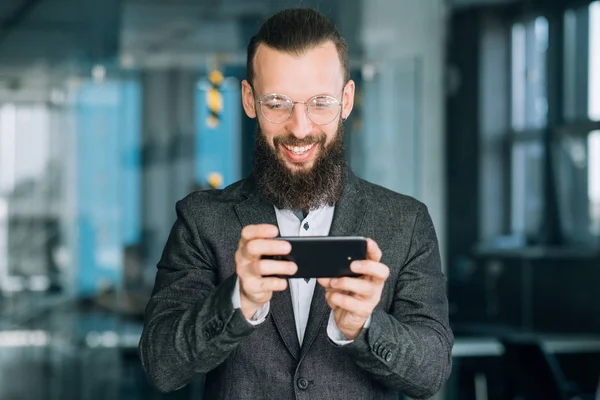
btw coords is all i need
(298, 142)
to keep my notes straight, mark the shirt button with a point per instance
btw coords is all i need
(306, 226)
(302, 383)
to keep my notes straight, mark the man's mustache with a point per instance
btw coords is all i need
(291, 140)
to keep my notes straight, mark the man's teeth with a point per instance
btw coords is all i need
(299, 150)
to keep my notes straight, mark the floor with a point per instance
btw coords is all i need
(54, 349)
(67, 351)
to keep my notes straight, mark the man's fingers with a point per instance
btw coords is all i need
(256, 241)
(324, 282)
(373, 251)
(273, 267)
(370, 269)
(259, 231)
(256, 248)
(357, 286)
(274, 284)
(346, 302)
(258, 286)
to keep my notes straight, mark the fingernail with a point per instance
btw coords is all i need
(333, 282)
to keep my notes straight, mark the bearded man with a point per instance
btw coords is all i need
(220, 309)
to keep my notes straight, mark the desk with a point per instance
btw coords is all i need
(556, 344)
(526, 255)
(486, 347)
(477, 347)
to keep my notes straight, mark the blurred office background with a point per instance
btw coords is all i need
(486, 110)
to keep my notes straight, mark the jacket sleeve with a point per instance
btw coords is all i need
(409, 348)
(190, 325)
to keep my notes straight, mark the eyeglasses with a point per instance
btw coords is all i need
(321, 109)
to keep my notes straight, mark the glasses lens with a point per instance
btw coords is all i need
(275, 108)
(323, 109)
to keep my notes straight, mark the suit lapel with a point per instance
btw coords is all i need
(348, 218)
(255, 211)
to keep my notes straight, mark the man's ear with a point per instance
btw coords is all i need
(248, 100)
(348, 99)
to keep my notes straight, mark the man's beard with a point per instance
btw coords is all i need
(300, 190)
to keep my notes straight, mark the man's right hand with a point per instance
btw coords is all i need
(256, 286)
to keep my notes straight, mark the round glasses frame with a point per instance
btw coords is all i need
(293, 104)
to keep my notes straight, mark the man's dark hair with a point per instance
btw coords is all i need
(295, 31)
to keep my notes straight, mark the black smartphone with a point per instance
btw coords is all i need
(324, 256)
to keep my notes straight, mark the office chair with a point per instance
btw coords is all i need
(534, 374)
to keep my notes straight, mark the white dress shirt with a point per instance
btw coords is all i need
(316, 223)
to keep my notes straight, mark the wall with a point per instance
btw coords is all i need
(404, 40)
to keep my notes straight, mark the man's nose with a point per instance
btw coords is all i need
(299, 122)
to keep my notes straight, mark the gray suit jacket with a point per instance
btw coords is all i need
(191, 327)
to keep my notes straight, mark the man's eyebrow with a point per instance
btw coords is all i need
(329, 94)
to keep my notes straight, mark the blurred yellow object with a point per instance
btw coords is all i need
(212, 121)
(214, 100)
(215, 180)
(215, 77)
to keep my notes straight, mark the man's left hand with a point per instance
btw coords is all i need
(354, 299)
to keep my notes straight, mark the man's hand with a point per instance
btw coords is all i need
(354, 299)
(256, 286)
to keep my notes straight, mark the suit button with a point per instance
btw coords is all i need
(388, 356)
(302, 383)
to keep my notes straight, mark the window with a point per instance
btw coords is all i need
(29, 197)
(594, 62)
(519, 72)
(529, 101)
(577, 162)
(7, 181)
(594, 182)
(529, 115)
(527, 188)
(573, 136)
